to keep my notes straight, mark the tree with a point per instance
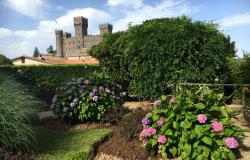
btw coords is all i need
(4, 60)
(50, 50)
(36, 52)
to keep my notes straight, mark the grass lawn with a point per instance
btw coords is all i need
(67, 145)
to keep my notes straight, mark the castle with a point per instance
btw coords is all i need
(76, 47)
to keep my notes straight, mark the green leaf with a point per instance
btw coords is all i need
(187, 149)
(173, 151)
(219, 142)
(169, 132)
(216, 155)
(176, 125)
(163, 98)
(199, 106)
(231, 155)
(214, 108)
(153, 142)
(207, 140)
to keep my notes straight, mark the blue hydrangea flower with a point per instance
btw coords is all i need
(79, 80)
(145, 121)
(54, 99)
(65, 109)
(76, 100)
(72, 104)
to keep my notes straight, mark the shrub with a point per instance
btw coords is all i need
(86, 99)
(44, 79)
(131, 123)
(191, 126)
(17, 115)
(151, 57)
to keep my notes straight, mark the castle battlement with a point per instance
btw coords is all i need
(77, 46)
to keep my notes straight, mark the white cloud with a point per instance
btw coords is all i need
(170, 8)
(235, 20)
(19, 42)
(30, 8)
(134, 3)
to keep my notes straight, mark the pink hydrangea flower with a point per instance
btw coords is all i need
(202, 118)
(144, 133)
(160, 122)
(231, 142)
(217, 127)
(162, 139)
(151, 131)
(172, 100)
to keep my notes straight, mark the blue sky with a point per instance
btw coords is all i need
(25, 24)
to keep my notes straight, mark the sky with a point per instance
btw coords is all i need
(25, 24)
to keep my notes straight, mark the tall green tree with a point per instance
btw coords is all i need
(50, 50)
(4, 60)
(36, 52)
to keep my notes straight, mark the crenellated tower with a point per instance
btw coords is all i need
(81, 26)
(105, 28)
(59, 43)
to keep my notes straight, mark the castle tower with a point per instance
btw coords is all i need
(59, 43)
(105, 28)
(81, 26)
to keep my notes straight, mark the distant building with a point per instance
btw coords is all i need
(26, 60)
(77, 47)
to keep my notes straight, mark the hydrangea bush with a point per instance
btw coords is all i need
(85, 100)
(191, 125)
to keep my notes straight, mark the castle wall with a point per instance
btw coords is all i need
(91, 40)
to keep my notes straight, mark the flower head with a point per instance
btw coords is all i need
(101, 88)
(144, 133)
(157, 102)
(217, 127)
(162, 139)
(54, 99)
(76, 100)
(160, 122)
(91, 94)
(172, 100)
(72, 104)
(151, 131)
(145, 121)
(79, 80)
(202, 118)
(87, 81)
(145, 141)
(95, 98)
(231, 142)
(107, 90)
(124, 93)
(94, 90)
(65, 109)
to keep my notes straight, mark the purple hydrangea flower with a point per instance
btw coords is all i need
(107, 90)
(124, 93)
(91, 94)
(65, 109)
(95, 98)
(72, 104)
(145, 121)
(101, 88)
(94, 90)
(231, 143)
(113, 93)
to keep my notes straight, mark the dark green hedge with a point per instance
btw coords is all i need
(150, 57)
(44, 79)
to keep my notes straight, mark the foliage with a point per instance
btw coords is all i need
(131, 123)
(86, 99)
(114, 115)
(150, 57)
(44, 79)
(17, 115)
(191, 125)
(50, 50)
(68, 145)
(245, 68)
(4, 60)
(36, 52)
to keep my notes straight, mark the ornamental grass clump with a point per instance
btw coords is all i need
(17, 116)
(85, 100)
(191, 125)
